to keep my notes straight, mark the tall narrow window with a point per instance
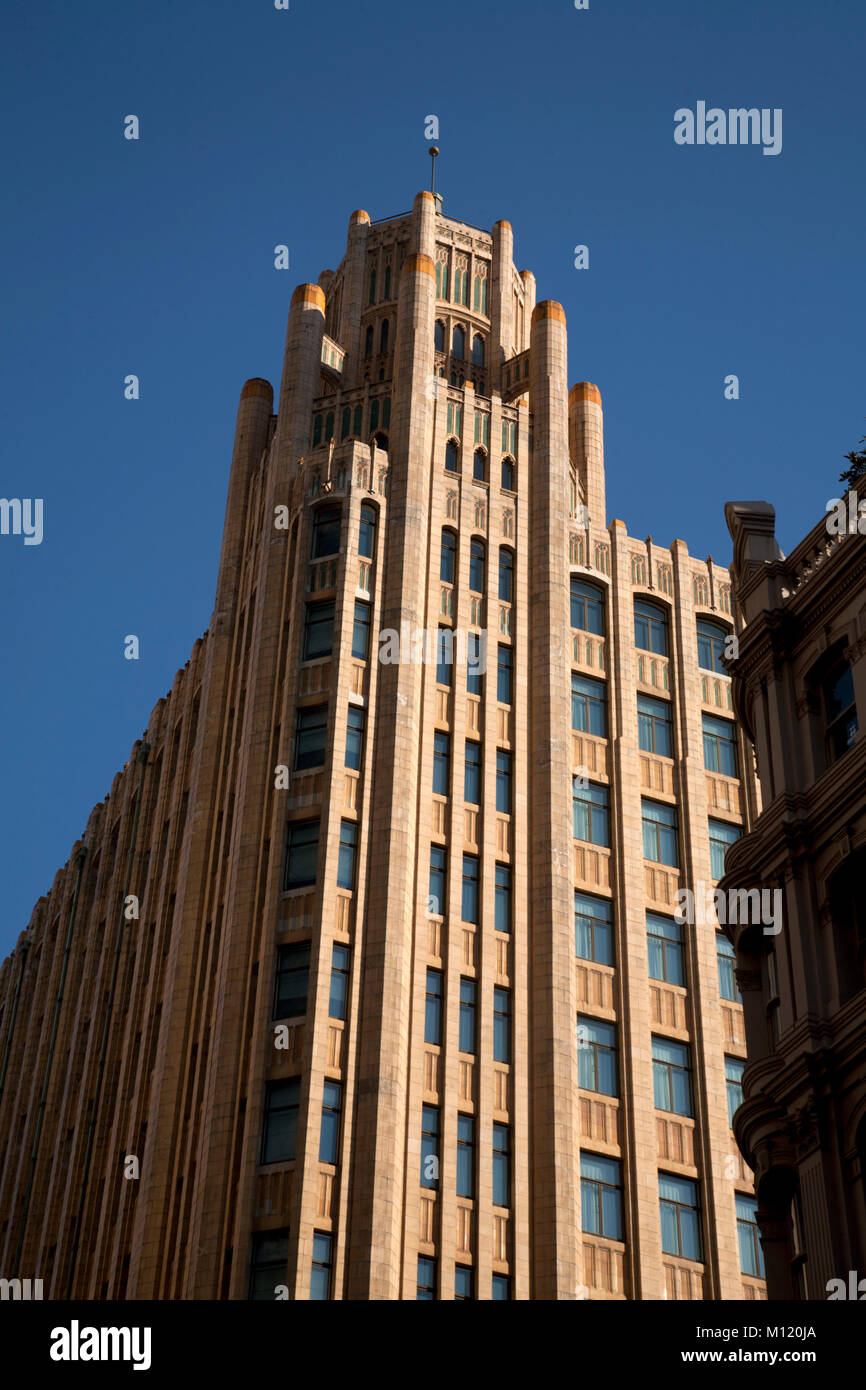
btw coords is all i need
(751, 1255)
(467, 1015)
(367, 532)
(478, 350)
(722, 836)
(469, 901)
(320, 1271)
(463, 1286)
(383, 337)
(650, 628)
(672, 1086)
(433, 1008)
(587, 607)
(503, 782)
(505, 675)
(472, 772)
(588, 706)
(727, 961)
(387, 294)
(268, 1264)
(465, 1156)
(361, 630)
(678, 1209)
(426, 1280)
(357, 419)
(436, 885)
(479, 465)
(476, 566)
(593, 931)
(439, 336)
(339, 991)
(474, 663)
(711, 646)
(441, 762)
(329, 1134)
(501, 1166)
(720, 749)
(590, 815)
(507, 480)
(451, 456)
(326, 531)
(346, 422)
(502, 898)
(458, 343)
(447, 556)
(354, 736)
(601, 1196)
(310, 737)
(506, 575)
(840, 710)
(302, 854)
(500, 1288)
(501, 1024)
(734, 1068)
(429, 1146)
(665, 949)
(318, 630)
(654, 726)
(346, 858)
(444, 656)
(660, 833)
(280, 1129)
(596, 1056)
(292, 980)
(368, 341)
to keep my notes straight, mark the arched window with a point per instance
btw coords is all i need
(367, 532)
(650, 628)
(386, 412)
(439, 336)
(587, 607)
(346, 421)
(479, 465)
(508, 474)
(448, 556)
(358, 419)
(451, 456)
(458, 343)
(383, 336)
(711, 644)
(374, 416)
(478, 350)
(381, 441)
(368, 341)
(387, 282)
(329, 426)
(326, 531)
(476, 566)
(317, 430)
(372, 287)
(506, 574)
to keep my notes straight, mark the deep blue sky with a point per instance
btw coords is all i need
(260, 127)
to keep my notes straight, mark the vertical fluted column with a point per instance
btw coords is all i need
(586, 445)
(555, 1167)
(395, 899)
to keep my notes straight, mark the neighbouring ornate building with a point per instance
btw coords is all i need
(800, 692)
(365, 980)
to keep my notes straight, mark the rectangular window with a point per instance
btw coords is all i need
(501, 1166)
(505, 675)
(665, 949)
(302, 854)
(588, 706)
(467, 1015)
(463, 1283)
(280, 1130)
(310, 737)
(591, 821)
(326, 532)
(596, 1056)
(734, 1068)
(444, 655)
(751, 1255)
(433, 1008)
(601, 1196)
(502, 901)
(472, 772)
(678, 1207)
(660, 833)
(650, 628)
(429, 1146)
(441, 762)
(840, 710)
(503, 782)
(268, 1263)
(587, 607)
(722, 836)
(346, 860)
(720, 748)
(465, 1156)
(500, 1291)
(292, 979)
(354, 737)
(469, 902)
(593, 934)
(437, 880)
(473, 663)
(501, 1024)
(318, 630)
(320, 1272)
(727, 961)
(654, 726)
(426, 1290)
(672, 1083)
(361, 630)
(339, 992)
(329, 1134)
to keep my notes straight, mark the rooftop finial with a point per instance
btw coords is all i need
(434, 150)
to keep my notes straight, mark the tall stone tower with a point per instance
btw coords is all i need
(365, 980)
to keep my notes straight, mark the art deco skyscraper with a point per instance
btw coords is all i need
(404, 1011)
